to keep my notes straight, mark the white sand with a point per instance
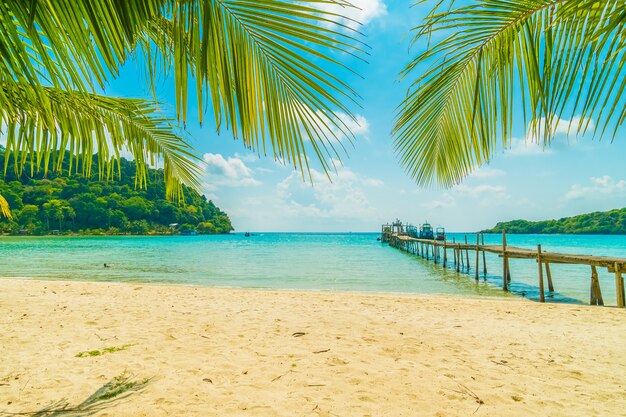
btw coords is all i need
(224, 352)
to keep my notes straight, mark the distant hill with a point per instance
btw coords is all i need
(600, 222)
(78, 205)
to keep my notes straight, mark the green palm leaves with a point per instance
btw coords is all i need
(267, 70)
(272, 67)
(86, 123)
(566, 58)
(4, 208)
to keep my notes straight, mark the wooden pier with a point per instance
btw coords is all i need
(437, 250)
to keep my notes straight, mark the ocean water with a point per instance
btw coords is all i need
(302, 261)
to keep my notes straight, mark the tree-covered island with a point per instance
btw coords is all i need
(74, 204)
(611, 222)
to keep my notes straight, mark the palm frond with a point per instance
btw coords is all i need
(268, 70)
(549, 59)
(71, 44)
(86, 123)
(5, 210)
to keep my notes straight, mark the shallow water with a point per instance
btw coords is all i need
(325, 261)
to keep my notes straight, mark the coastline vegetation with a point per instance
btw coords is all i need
(73, 204)
(611, 222)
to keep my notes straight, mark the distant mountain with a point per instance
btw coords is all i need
(600, 222)
(77, 205)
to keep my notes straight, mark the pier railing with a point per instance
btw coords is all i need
(437, 250)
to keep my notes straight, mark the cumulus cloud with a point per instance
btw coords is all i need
(559, 126)
(479, 189)
(361, 11)
(247, 157)
(487, 172)
(227, 172)
(343, 198)
(445, 201)
(598, 187)
(359, 126)
(532, 144)
(524, 147)
(486, 194)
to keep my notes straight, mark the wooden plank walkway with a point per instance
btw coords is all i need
(438, 251)
(522, 253)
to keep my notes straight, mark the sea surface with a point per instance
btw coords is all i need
(302, 261)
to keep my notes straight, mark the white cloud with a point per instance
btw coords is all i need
(559, 126)
(361, 11)
(523, 147)
(532, 144)
(479, 189)
(343, 198)
(600, 186)
(445, 201)
(373, 182)
(248, 157)
(486, 194)
(487, 172)
(231, 172)
(358, 126)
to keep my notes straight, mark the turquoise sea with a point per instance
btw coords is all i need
(303, 261)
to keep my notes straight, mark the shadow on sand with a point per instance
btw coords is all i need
(106, 396)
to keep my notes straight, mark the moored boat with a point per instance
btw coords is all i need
(426, 231)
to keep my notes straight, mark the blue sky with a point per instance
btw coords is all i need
(573, 176)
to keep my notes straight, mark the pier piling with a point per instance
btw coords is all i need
(542, 297)
(619, 286)
(477, 252)
(484, 257)
(549, 276)
(596, 292)
(505, 264)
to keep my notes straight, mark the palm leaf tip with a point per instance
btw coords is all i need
(85, 124)
(5, 211)
(493, 61)
(270, 66)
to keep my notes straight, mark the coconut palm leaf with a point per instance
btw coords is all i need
(4, 208)
(86, 123)
(267, 69)
(549, 59)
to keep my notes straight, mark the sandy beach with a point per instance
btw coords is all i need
(206, 352)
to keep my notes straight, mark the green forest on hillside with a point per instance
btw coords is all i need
(73, 204)
(611, 222)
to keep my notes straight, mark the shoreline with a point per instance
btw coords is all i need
(295, 291)
(214, 351)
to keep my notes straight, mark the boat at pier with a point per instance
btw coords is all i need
(426, 231)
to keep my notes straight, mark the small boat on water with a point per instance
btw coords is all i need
(426, 231)
(440, 234)
(247, 234)
(411, 230)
